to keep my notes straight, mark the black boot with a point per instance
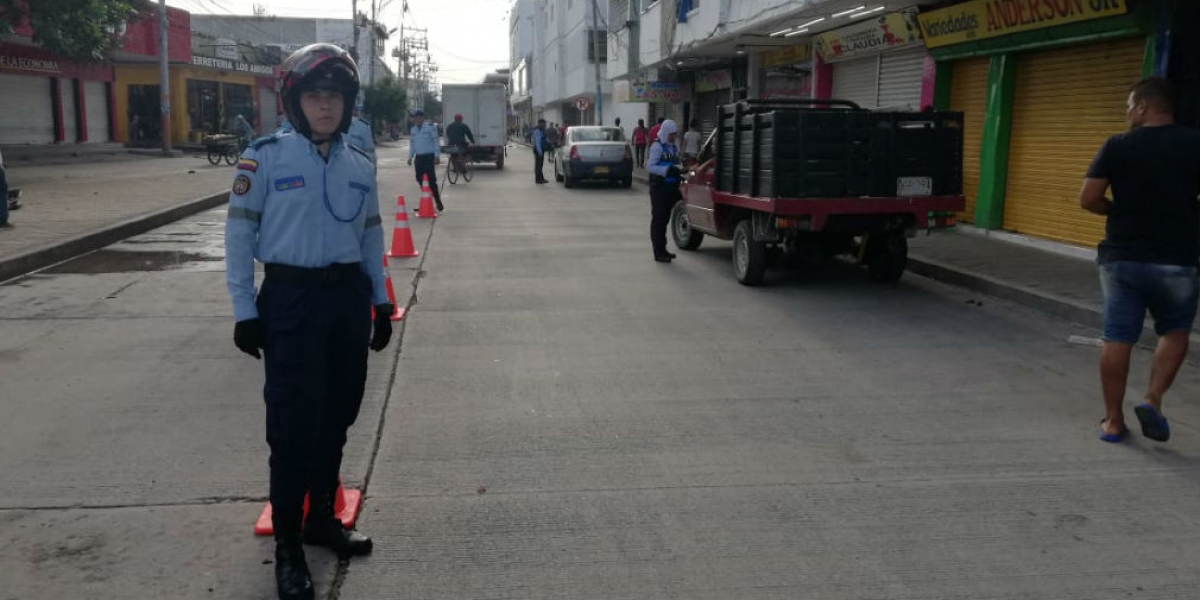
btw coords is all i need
(292, 578)
(322, 528)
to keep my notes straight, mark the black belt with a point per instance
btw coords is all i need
(335, 273)
(430, 155)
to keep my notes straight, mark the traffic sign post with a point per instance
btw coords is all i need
(582, 103)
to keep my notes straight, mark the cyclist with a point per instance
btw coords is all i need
(457, 135)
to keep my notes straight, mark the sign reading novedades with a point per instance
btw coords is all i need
(982, 19)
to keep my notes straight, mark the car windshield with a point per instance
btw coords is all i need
(596, 134)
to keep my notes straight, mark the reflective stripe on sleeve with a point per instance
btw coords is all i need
(374, 221)
(237, 212)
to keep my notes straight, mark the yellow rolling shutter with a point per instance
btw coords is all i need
(968, 94)
(1067, 102)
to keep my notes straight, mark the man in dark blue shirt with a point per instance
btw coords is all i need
(1148, 259)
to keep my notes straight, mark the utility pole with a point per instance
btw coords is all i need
(634, 33)
(354, 26)
(596, 62)
(164, 80)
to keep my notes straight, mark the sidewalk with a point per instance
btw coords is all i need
(73, 207)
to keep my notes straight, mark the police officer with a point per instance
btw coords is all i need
(304, 202)
(360, 135)
(662, 163)
(540, 145)
(424, 147)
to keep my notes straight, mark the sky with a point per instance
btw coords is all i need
(467, 38)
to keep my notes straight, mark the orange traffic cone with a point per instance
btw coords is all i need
(425, 211)
(345, 507)
(398, 314)
(402, 242)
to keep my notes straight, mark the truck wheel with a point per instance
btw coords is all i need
(500, 163)
(749, 256)
(568, 181)
(887, 257)
(686, 238)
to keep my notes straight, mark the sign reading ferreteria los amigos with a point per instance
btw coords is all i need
(982, 19)
(872, 36)
(229, 65)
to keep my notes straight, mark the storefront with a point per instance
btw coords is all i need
(47, 100)
(877, 63)
(664, 99)
(1040, 94)
(785, 72)
(711, 90)
(206, 97)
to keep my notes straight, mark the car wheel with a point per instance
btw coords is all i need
(557, 176)
(686, 238)
(569, 182)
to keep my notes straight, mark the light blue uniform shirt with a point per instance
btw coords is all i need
(539, 141)
(290, 206)
(655, 163)
(424, 140)
(360, 135)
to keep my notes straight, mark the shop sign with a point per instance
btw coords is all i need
(226, 49)
(983, 19)
(656, 91)
(711, 81)
(229, 65)
(789, 55)
(21, 63)
(872, 36)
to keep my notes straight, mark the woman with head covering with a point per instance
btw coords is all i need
(662, 164)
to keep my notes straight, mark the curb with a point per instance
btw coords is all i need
(1050, 304)
(57, 252)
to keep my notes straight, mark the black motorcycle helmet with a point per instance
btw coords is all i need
(318, 67)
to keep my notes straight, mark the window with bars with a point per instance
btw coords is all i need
(594, 36)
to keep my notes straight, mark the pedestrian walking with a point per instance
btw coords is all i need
(305, 203)
(539, 151)
(664, 169)
(424, 146)
(1150, 252)
(691, 142)
(654, 130)
(640, 138)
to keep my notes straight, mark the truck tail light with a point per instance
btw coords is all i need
(574, 153)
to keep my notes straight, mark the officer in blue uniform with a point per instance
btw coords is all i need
(305, 203)
(424, 147)
(361, 135)
(662, 163)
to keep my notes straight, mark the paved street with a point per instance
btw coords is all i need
(564, 418)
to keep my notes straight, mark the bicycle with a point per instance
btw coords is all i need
(223, 146)
(459, 164)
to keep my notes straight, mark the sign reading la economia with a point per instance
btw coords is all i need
(982, 19)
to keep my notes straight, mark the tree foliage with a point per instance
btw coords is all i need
(384, 101)
(77, 29)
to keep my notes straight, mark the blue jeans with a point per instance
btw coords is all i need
(1170, 293)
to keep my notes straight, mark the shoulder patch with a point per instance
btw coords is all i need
(241, 184)
(264, 140)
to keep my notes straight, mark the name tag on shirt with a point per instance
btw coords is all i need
(289, 183)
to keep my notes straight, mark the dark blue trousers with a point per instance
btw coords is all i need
(316, 363)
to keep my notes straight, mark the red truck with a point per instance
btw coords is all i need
(813, 179)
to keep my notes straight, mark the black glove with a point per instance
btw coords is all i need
(383, 327)
(673, 172)
(249, 337)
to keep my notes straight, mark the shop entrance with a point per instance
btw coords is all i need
(145, 123)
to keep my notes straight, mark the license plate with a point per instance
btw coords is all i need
(601, 170)
(914, 186)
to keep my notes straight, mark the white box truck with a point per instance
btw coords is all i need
(484, 107)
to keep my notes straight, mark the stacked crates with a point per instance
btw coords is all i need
(772, 150)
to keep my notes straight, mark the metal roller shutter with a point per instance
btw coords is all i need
(704, 110)
(857, 80)
(66, 89)
(1068, 101)
(968, 94)
(95, 95)
(900, 75)
(26, 110)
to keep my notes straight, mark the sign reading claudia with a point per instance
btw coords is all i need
(872, 36)
(229, 65)
(21, 63)
(982, 19)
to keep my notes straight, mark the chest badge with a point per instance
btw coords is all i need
(284, 184)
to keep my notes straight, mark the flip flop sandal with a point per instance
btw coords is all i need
(1113, 438)
(1154, 425)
